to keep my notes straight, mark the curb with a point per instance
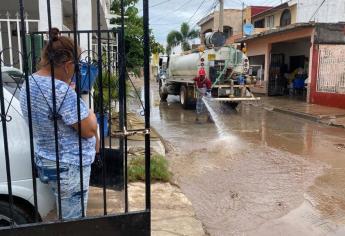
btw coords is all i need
(326, 120)
(298, 114)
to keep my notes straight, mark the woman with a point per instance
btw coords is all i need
(61, 54)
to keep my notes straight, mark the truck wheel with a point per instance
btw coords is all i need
(184, 98)
(163, 95)
(19, 215)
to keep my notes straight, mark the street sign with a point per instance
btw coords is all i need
(248, 29)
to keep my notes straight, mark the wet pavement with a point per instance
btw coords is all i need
(254, 171)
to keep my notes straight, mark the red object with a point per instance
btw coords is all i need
(201, 81)
(325, 99)
(202, 72)
(255, 10)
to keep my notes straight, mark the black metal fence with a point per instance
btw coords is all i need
(104, 59)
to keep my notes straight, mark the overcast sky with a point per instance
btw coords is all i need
(167, 15)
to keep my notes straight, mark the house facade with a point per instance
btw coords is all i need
(232, 23)
(293, 43)
(36, 16)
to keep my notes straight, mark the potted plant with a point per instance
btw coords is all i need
(110, 95)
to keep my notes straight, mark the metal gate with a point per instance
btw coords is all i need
(104, 58)
(276, 84)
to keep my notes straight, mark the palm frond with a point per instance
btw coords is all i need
(184, 30)
(174, 38)
(193, 34)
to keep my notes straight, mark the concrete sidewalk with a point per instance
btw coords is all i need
(327, 115)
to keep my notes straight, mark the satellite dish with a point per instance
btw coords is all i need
(248, 29)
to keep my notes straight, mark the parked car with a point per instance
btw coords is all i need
(20, 161)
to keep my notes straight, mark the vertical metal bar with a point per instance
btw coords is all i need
(76, 64)
(122, 101)
(33, 54)
(27, 23)
(99, 49)
(1, 47)
(147, 101)
(19, 44)
(88, 67)
(51, 62)
(7, 157)
(9, 38)
(109, 86)
(78, 35)
(28, 103)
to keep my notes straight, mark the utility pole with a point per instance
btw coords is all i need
(221, 15)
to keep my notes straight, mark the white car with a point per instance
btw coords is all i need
(20, 161)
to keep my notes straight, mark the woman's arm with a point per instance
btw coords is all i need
(88, 126)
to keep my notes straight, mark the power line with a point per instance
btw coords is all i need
(204, 12)
(317, 10)
(160, 3)
(178, 8)
(202, 3)
(155, 5)
(208, 11)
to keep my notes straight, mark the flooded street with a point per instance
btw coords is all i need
(254, 171)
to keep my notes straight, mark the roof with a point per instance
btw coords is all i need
(273, 9)
(258, 9)
(277, 30)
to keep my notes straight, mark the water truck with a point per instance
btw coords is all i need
(226, 67)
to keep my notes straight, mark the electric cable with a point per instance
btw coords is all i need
(202, 3)
(317, 9)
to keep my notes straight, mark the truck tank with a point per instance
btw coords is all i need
(188, 65)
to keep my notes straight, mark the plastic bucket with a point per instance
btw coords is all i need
(88, 75)
(105, 122)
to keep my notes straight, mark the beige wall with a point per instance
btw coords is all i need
(232, 18)
(277, 15)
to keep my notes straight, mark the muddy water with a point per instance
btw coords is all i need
(256, 172)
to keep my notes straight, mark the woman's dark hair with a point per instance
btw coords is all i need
(59, 51)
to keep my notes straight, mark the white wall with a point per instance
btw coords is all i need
(56, 14)
(84, 21)
(332, 11)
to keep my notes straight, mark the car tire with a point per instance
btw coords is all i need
(184, 98)
(20, 216)
(163, 95)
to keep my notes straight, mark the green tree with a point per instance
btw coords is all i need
(181, 37)
(134, 35)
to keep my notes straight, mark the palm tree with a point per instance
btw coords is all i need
(181, 37)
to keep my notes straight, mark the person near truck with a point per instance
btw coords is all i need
(59, 54)
(203, 86)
